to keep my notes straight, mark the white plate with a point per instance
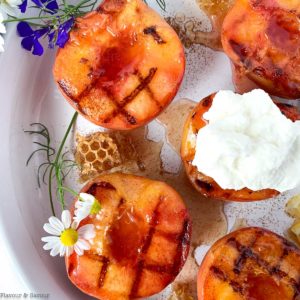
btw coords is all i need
(28, 94)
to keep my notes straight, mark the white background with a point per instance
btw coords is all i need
(9, 279)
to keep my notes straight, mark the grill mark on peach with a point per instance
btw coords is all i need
(103, 272)
(247, 253)
(105, 263)
(222, 276)
(160, 269)
(121, 203)
(65, 87)
(152, 31)
(96, 257)
(239, 50)
(144, 82)
(101, 184)
(149, 91)
(183, 245)
(141, 264)
(94, 75)
(119, 110)
(286, 250)
(130, 118)
(144, 248)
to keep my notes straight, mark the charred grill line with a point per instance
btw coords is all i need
(222, 276)
(103, 272)
(183, 243)
(105, 263)
(131, 119)
(96, 257)
(219, 273)
(122, 201)
(65, 87)
(147, 88)
(276, 271)
(103, 259)
(94, 75)
(245, 252)
(102, 184)
(159, 269)
(118, 110)
(138, 275)
(152, 31)
(144, 248)
(239, 50)
(144, 82)
(296, 287)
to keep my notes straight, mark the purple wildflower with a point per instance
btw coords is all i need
(51, 5)
(63, 32)
(31, 38)
(23, 6)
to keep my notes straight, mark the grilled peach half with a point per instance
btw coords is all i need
(121, 66)
(250, 263)
(205, 184)
(262, 38)
(142, 239)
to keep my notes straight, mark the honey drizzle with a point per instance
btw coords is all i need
(142, 156)
(189, 30)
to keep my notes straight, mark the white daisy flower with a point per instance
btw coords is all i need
(9, 6)
(66, 237)
(86, 205)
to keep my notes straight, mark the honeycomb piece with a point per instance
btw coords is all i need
(180, 292)
(293, 207)
(96, 153)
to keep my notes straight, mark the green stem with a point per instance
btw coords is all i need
(94, 5)
(65, 137)
(69, 191)
(81, 3)
(30, 18)
(62, 144)
(33, 24)
(50, 190)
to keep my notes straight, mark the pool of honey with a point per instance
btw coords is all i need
(189, 30)
(142, 156)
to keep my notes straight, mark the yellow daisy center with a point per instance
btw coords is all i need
(69, 237)
(96, 207)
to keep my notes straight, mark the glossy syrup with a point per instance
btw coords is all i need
(189, 29)
(142, 156)
(260, 287)
(125, 235)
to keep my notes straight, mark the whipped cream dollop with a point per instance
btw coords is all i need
(249, 143)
